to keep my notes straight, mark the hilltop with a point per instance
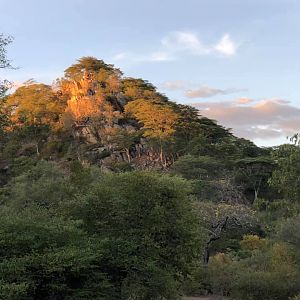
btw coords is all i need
(109, 190)
(98, 116)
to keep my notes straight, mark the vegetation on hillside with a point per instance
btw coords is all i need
(108, 190)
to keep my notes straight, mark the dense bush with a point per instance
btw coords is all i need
(220, 215)
(88, 235)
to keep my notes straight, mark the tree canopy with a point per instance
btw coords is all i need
(109, 190)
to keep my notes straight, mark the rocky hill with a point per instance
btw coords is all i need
(98, 116)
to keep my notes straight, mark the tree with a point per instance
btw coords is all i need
(90, 88)
(151, 216)
(158, 121)
(134, 89)
(286, 176)
(124, 139)
(33, 111)
(46, 257)
(90, 65)
(212, 178)
(254, 173)
(4, 84)
(198, 168)
(289, 231)
(221, 218)
(126, 235)
(42, 186)
(4, 41)
(90, 81)
(197, 135)
(269, 273)
(34, 104)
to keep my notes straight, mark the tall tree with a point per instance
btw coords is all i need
(254, 173)
(286, 177)
(34, 104)
(4, 41)
(158, 121)
(90, 88)
(4, 84)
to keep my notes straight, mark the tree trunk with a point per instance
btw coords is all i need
(161, 155)
(206, 255)
(216, 235)
(128, 154)
(255, 195)
(37, 149)
(256, 190)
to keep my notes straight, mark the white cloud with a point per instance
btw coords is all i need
(263, 119)
(206, 91)
(226, 46)
(178, 43)
(192, 91)
(244, 100)
(159, 56)
(119, 56)
(184, 41)
(174, 85)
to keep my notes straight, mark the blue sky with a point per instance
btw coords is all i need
(236, 60)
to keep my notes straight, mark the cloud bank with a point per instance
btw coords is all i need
(206, 91)
(190, 90)
(226, 46)
(174, 85)
(182, 43)
(252, 119)
(188, 42)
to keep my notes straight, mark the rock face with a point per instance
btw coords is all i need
(96, 102)
(109, 153)
(114, 138)
(96, 115)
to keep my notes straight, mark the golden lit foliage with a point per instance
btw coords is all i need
(158, 120)
(91, 75)
(252, 242)
(280, 255)
(102, 123)
(86, 85)
(91, 65)
(220, 259)
(137, 88)
(82, 101)
(34, 104)
(84, 107)
(113, 84)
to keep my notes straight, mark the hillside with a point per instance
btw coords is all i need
(109, 190)
(99, 116)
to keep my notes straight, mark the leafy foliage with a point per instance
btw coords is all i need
(83, 215)
(34, 104)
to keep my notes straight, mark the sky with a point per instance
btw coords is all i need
(237, 61)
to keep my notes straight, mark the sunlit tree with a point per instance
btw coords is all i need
(158, 121)
(34, 104)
